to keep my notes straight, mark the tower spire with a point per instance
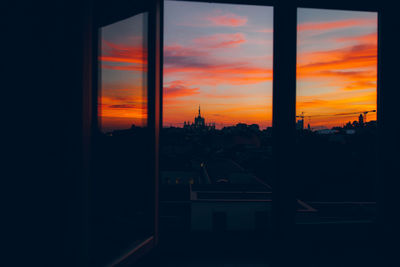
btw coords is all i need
(199, 111)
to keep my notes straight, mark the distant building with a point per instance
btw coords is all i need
(361, 120)
(199, 123)
(300, 124)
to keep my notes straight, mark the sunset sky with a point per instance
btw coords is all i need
(219, 56)
(336, 65)
(123, 74)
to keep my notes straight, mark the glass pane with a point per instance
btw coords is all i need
(336, 114)
(123, 188)
(217, 117)
(123, 72)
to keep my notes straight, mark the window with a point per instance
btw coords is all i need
(122, 185)
(216, 146)
(123, 74)
(336, 113)
(217, 111)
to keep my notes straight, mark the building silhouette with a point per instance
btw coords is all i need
(360, 120)
(199, 123)
(300, 124)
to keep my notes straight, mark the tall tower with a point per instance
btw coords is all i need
(361, 120)
(199, 121)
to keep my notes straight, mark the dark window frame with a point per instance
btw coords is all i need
(284, 78)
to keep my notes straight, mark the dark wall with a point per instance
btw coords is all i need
(389, 171)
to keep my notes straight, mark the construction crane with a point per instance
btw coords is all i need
(363, 113)
(301, 116)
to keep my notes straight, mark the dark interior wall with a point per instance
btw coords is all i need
(34, 79)
(75, 85)
(388, 99)
(44, 62)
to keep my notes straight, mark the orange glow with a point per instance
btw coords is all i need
(223, 74)
(123, 103)
(348, 75)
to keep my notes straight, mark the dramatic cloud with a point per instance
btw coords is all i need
(218, 74)
(340, 79)
(354, 67)
(209, 70)
(123, 57)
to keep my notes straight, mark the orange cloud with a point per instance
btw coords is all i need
(119, 108)
(120, 55)
(140, 68)
(371, 38)
(235, 73)
(230, 20)
(352, 68)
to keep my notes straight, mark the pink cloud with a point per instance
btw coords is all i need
(179, 89)
(123, 57)
(230, 20)
(220, 40)
(330, 25)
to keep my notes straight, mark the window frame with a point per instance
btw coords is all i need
(284, 78)
(106, 14)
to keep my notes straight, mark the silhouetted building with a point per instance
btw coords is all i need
(199, 123)
(300, 124)
(361, 120)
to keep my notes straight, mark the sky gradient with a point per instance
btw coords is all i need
(336, 66)
(219, 56)
(123, 74)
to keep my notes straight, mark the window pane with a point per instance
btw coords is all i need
(336, 113)
(123, 186)
(123, 95)
(217, 116)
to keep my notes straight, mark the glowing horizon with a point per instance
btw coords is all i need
(123, 74)
(219, 56)
(336, 66)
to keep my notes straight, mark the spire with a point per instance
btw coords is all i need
(199, 111)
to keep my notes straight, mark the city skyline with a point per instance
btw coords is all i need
(220, 56)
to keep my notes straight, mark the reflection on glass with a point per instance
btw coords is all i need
(123, 189)
(336, 111)
(123, 72)
(217, 114)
